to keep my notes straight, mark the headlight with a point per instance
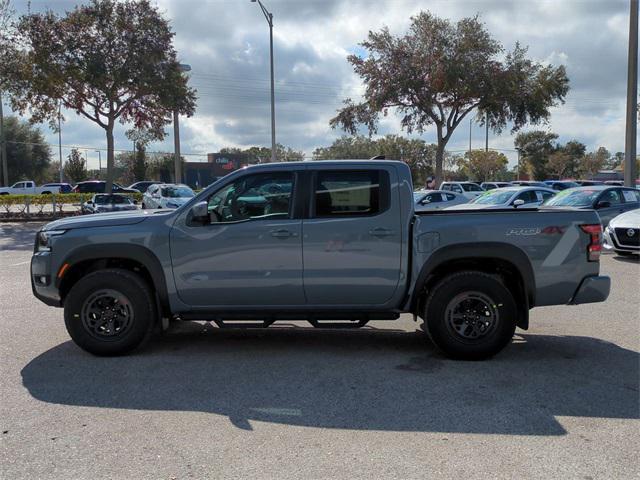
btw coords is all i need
(43, 243)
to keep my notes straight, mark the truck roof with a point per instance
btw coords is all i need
(337, 162)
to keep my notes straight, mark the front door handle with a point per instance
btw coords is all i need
(380, 232)
(283, 233)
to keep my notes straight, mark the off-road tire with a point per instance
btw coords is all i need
(443, 333)
(140, 303)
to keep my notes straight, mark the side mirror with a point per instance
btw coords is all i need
(604, 204)
(518, 203)
(200, 212)
(89, 202)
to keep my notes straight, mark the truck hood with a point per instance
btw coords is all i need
(103, 220)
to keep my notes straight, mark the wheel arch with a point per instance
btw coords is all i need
(136, 258)
(503, 259)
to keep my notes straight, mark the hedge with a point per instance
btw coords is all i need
(60, 198)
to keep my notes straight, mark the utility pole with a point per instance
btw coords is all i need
(176, 136)
(60, 138)
(469, 137)
(99, 163)
(3, 148)
(269, 16)
(486, 135)
(630, 170)
(176, 147)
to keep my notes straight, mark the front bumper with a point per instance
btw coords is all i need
(42, 281)
(592, 289)
(611, 242)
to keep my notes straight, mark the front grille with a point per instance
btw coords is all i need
(624, 237)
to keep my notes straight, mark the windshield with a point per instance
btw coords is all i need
(582, 197)
(471, 187)
(494, 197)
(177, 192)
(417, 196)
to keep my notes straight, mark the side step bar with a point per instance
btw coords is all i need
(318, 320)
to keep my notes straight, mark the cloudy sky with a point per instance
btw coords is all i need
(227, 44)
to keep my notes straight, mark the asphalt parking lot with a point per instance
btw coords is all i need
(293, 402)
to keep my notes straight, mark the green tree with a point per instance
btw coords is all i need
(76, 167)
(559, 163)
(603, 157)
(483, 166)
(439, 72)
(141, 138)
(348, 148)
(419, 155)
(28, 157)
(260, 154)
(574, 151)
(534, 148)
(592, 163)
(108, 61)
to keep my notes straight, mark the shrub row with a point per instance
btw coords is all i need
(60, 199)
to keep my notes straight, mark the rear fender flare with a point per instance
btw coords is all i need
(474, 251)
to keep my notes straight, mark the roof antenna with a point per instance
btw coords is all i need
(378, 157)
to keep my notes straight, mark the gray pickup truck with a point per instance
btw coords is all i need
(335, 243)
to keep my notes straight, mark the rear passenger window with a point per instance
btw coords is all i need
(348, 193)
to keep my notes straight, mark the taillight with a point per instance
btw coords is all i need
(595, 245)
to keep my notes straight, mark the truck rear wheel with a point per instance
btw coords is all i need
(470, 315)
(109, 312)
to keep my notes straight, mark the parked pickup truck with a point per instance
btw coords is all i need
(336, 243)
(28, 187)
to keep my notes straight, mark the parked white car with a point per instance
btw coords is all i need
(436, 199)
(105, 202)
(28, 187)
(167, 195)
(623, 233)
(510, 197)
(468, 189)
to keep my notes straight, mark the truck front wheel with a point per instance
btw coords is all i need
(470, 315)
(109, 312)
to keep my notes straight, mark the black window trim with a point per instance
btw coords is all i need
(384, 201)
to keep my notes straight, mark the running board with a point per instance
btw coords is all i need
(333, 320)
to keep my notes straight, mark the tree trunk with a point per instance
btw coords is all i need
(439, 156)
(110, 161)
(439, 164)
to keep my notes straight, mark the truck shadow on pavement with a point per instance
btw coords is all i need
(362, 380)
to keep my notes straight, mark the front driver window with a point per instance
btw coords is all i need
(266, 195)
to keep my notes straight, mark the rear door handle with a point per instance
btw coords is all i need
(283, 233)
(380, 232)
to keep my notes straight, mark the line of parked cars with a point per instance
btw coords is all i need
(617, 206)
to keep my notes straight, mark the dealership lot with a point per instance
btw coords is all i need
(291, 401)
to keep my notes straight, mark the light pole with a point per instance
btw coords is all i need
(269, 17)
(60, 139)
(3, 148)
(99, 163)
(630, 171)
(176, 134)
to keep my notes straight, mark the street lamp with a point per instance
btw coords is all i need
(269, 17)
(99, 163)
(183, 67)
